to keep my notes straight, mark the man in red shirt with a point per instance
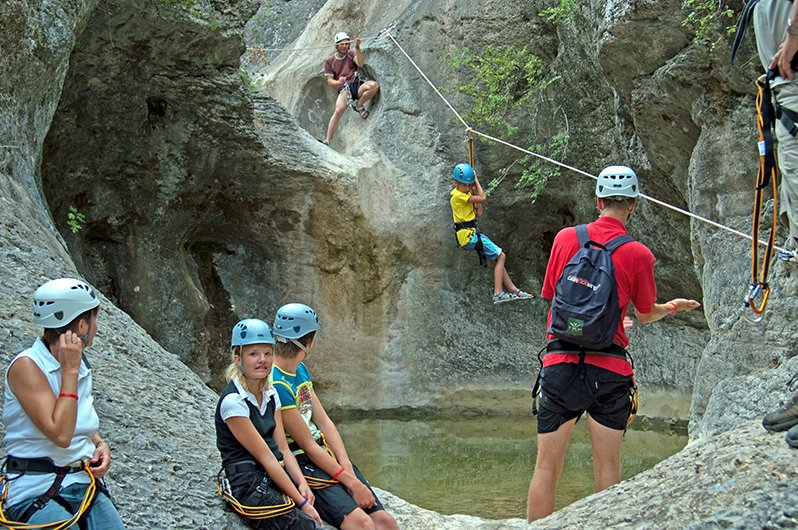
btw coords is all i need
(340, 72)
(599, 384)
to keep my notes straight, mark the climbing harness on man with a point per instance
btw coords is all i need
(615, 351)
(38, 466)
(768, 111)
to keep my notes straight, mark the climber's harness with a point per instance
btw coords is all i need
(478, 248)
(23, 466)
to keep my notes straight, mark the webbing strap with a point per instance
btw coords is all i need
(610, 246)
(742, 25)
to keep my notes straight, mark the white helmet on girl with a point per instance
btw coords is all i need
(59, 302)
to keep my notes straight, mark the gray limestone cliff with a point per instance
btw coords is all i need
(208, 199)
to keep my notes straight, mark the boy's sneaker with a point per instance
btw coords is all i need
(503, 297)
(518, 293)
(792, 437)
(783, 418)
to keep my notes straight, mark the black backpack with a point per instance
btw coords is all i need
(585, 308)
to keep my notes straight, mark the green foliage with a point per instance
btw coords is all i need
(563, 11)
(503, 84)
(710, 20)
(75, 219)
(535, 173)
(499, 81)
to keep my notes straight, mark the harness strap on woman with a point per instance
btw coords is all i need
(46, 466)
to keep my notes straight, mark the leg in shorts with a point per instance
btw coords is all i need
(334, 502)
(567, 390)
(492, 250)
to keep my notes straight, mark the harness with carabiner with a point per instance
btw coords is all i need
(318, 483)
(768, 111)
(225, 491)
(22, 466)
(614, 350)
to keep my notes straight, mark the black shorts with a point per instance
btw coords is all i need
(334, 502)
(567, 390)
(257, 489)
(354, 87)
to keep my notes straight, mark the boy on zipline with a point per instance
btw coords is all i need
(466, 200)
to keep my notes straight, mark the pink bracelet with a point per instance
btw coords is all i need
(674, 309)
(337, 473)
(66, 394)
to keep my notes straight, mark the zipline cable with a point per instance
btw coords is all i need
(571, 168)
(320, 47)
(427, 79)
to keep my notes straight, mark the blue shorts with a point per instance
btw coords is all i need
(491, 250)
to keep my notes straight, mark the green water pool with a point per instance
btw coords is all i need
(481, 465)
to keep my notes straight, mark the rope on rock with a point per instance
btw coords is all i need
(261, 53)
(571, 168)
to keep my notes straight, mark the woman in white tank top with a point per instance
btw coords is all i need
(52, 437)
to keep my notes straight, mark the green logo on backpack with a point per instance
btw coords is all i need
(575, 326)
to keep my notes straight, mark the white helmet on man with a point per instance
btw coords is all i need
(617, 181)
(59, 302)
(341, 36)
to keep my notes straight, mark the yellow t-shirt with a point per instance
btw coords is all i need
(462, 211)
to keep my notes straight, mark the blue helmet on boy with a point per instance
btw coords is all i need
(251, 331)
(464, 173)
(294, 321)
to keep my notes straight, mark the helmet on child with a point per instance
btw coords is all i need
(251, 331)
(294, 321)
(341, 36)
(59, 302)
(617, 181)
(464, 173)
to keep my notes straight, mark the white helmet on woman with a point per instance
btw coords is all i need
(341, 36)
(58, 302)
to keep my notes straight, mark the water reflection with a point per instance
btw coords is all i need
(480, 465)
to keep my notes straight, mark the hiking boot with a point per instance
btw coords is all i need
(518, 293)
(503, 297)
(783, 418)
(792, 437)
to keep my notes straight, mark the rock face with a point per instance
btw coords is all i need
(207, 199)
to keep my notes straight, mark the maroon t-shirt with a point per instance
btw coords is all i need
(341, 68)
(634, 275)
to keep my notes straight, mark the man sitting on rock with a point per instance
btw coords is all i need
(340, 72)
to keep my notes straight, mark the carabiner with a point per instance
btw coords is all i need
(749, 302)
